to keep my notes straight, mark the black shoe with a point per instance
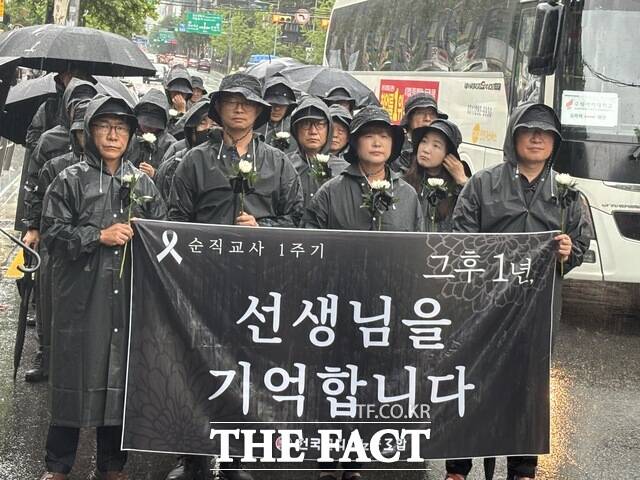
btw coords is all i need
(39, 372)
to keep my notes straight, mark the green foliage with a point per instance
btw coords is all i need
(26, 12)
(124, 17)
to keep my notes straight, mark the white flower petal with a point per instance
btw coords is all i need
(244, 166)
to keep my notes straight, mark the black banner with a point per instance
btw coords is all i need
(306, 344)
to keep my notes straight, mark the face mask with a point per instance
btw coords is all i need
(200, 137)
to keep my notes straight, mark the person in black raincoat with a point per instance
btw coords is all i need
(311, 127)
(202, 191)
(419, 111)
(199, 90)
(197, 127)
(48, 172)
(521, 195)
(85, 229)
(340, 96)
(341, 119)
(153, 139)
(279, 94)
(179, 90)
(374, 142)
(434, 147)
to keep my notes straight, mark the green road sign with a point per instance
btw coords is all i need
(165, 36)
(204, 23)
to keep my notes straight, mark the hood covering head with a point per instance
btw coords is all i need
(78, 111)
(196, 82)
(531, 115)
(278, 92)
(153, 110)
(178, 80)
(192, 119)
(99, 106)
(420, 100)
(341, 114)
(447, 128)
(316, 109)
(339, 94)
(247, 86)
(373, 116)
(76, 90)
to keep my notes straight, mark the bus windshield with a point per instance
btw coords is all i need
(600, 80)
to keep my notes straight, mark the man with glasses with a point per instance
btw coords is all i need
(85, 228)
(311, 127)
(202, 191)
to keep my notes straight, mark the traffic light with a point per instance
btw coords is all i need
(279, 19)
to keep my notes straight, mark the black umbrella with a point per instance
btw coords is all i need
(26, 97)
(318, 80)
(57, 48)
(25, 287)
(269, 68)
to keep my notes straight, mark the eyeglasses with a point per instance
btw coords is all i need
(121, 129)
(317, 124)
(236, 102)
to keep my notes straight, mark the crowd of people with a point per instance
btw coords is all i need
(314, 162)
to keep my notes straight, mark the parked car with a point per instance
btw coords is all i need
(180, 60)
(204, 65)
(193, 63)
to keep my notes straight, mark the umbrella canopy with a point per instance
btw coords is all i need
(57, 48)
(26, 97)
(268, 68)
(318, 80)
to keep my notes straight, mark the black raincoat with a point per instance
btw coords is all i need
(269, 131)
(402, 164)
(310, 182)
(177, 151)
(440, 214)
(337, 205)
(152, 153)
(202, 193)
(89, 319)
(493, 201)
(53, 143)
(176, 73)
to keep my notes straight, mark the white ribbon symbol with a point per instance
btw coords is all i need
(170, 247)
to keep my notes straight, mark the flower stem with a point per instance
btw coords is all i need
(562, 230)
(124, 251)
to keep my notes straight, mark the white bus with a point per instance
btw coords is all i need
(475, 56)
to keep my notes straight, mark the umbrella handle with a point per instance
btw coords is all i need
(17, 241)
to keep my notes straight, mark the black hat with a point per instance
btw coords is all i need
(341, 115)
(307, 113)
(151, 116)
(180, 85)
(372, 115)
(339, 94)
(539, 116)
(447, 128)
(279, 93)
(420, 100)
(117, 107)
(247, 86)
(196, 82)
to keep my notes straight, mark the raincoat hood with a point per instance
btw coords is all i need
(447, 128)
(178, 80)
(312, 107)
(531, 115)
(79, 112)
(277, 91)
(103, 105)
(247, 86)
(192, 119)
(196, 82)
(76, 90)
(341, 114)
(373, 115)
(153, 110)
(339, 94)
(420, 100)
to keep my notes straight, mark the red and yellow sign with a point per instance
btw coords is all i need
(394, 94)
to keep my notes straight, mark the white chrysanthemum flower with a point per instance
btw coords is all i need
(149, 137)
(245, 166)
(321, 158)
(283, 135)
(565, 180)
(380, 185)
(173, 112)
(146, 198)
(128, 178)
(435, 182)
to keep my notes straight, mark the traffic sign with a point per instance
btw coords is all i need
(204, 23)
(166, 36)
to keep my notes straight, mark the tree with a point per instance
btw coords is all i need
(124, 17)
(27, 12)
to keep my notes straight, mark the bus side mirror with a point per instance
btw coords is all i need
(546, 38)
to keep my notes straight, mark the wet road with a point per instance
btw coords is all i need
(595, 389)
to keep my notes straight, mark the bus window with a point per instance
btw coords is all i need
(599, 94)
(525, 87)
